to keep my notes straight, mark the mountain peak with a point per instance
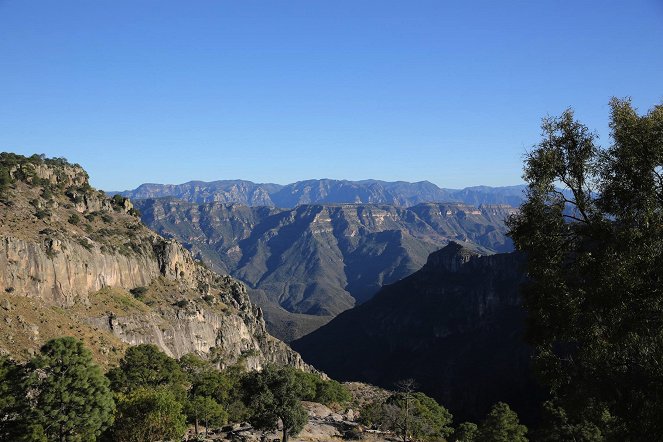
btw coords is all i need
(452, 257)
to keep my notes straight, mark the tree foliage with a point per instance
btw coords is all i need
(206, 410)
(145, 366)
(592, 229)
(13, 405)
(70, 397)
(274, 394)
(147, 415)
(410, 414)
(325, 391)
(209, 388)
(465, 432)
(502, 425)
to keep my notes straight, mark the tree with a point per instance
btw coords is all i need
(591, 227)
(410, 414)
(466, 432)
(417, 416)
(207, 410)
(502, 425)
(12, 399)
(209, 389)
(331, 392)
(275, 394)
(145, 366)
(72, 400)
(147, 415)
(316, 389)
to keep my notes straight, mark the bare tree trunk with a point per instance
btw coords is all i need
(285, 434)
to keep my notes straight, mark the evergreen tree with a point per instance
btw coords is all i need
(147, 415)
(466, 432)
(275, 394)
(206, 410)
(145, 366)
(416, 416)
(13, 404)
(592, 229)
(71, 398)
(209, 390)
(502, 425)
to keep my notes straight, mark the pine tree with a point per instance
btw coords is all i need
(502, 425)
(72, 400)
(147, 415)
(275, 394)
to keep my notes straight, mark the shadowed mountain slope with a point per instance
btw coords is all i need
(455, 326)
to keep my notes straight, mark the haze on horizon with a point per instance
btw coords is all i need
(448, 92)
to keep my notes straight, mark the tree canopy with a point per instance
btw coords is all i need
(502, 425)
(592, 230)
(274, 394)
(70, 397)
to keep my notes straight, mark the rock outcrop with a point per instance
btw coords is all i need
(85, 260)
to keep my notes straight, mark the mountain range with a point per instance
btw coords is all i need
(326, 191)
(455, 327)
(307, 264)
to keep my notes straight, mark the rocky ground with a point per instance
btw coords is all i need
(324, 424)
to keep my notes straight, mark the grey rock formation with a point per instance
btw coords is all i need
(60, 260)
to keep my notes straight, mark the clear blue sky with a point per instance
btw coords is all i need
(278, 91)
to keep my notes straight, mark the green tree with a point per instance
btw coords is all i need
(410, 414)
(147, 415)
(72, 400)
(209, 390)
(502, 425)
(466, 432)
(591, 227)
(416, 416)
(331, 392)
(145, 366)
(207, 410)
(316, 389)
(274, 394)
(12, 400)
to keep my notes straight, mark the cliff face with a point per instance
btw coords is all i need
(73, 260)
(455, 326)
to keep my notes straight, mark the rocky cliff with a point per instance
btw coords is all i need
(73, 261)
(456, 327)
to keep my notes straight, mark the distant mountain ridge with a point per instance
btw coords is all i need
(326, 191)
(305, 265)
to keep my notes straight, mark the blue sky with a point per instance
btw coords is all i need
(279, 91)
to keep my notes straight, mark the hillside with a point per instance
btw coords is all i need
(75, 262)
(455, 326)
(326, 191)
(304, 266)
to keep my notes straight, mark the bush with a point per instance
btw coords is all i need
(138, 292)
(74, 219)
(43, 213)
